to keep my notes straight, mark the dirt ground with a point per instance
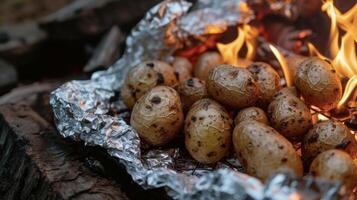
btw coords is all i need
(13, 11)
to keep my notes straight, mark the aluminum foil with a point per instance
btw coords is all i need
(83, 111)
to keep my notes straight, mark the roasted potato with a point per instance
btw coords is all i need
(251, 113)
(263, 151)
(144, 77)
(191, 90)
(326, 135)
(205, 63)
(268, 80)
(318, 83)
(182, 68)
(208, 131)
(233, 86)
(289, 115)
(157, 116)
(335, 165)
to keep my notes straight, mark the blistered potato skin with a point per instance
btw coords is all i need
(192, 90)
(268, 80)
(233, 86)
(205, 63)
(289, 115)
(182, 68)
(335, 165)
(208, 130)
(263, 151)
(157, 116)
(318, 83)
(324, 136)
(251, 113)
(144, 77)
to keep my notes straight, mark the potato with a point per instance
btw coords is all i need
(263, 151)
(144, 77)
(208, 130)
(192, 90)
(205, 63)
(268, 80)
(285, 92)
(318, 83)
(324, 136)
(293, 62)
(157, 116)
(289, 115)
(233, 86)
(251, 113)
(182, 68)
(335, 165)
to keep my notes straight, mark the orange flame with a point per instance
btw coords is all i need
(283, 64)
(344, 54)
(230, 51)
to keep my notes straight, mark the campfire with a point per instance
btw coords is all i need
(210, 99)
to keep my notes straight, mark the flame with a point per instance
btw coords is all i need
(343, 55)
(230, 51)
(321, 117)
(283, 64)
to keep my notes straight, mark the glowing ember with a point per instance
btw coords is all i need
(344, 54)
(283, 65)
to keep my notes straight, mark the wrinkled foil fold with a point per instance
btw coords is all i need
(82, 112)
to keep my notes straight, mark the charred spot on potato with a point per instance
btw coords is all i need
(193, 118)
(155, 100)
(177, 75)
(199, 143)
(284, 160)
(190, 82)
(150, 64)
(211, 154)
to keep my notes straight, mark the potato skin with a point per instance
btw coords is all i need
(205, 63)
(324, 136)
(191, 90)
(335, 165)
(251, 113)
(263, 151)
(268, 80)
(208, 130)
(182, 68)
(157, 116)
(145, 76)
(233, 86)
(289, 115)
(318, 83)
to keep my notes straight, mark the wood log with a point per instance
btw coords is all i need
(36, 163)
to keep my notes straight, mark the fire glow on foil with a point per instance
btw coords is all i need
(81, 111)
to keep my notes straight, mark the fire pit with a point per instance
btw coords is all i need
(92, 111)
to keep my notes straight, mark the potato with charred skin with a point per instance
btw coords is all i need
(326, 135)
(335, 165)
(182, 68)
(208, 130)
(251, 113)
(289, 115)
(205, 63)
(233, 86)
(157, 116)
(144, 77)
(191, 90)
(268, 80)
(263, 151)
(318, 83)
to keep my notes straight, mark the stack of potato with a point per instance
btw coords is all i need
(203, 100)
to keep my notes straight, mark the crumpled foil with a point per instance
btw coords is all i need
(82, 112)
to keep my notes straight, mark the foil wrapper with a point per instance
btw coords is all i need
(82, 111)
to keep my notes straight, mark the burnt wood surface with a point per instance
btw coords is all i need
(35, 163)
